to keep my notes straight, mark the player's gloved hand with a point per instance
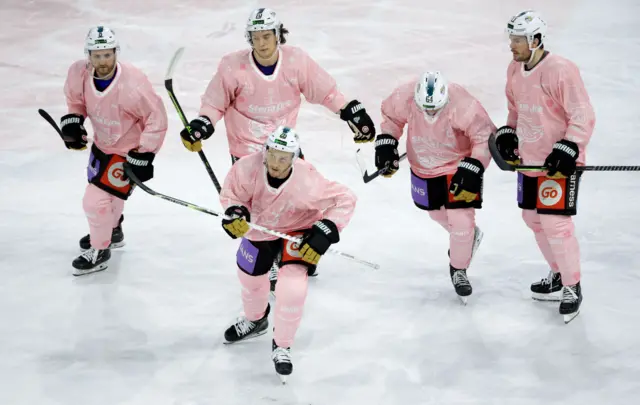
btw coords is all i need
(317, 239)
(201, 128)
(236, 226)
(467, 180)
(359, 122)
(507, 143)
(387, 155)
(561, 162)
(141, 164)
(74, 135)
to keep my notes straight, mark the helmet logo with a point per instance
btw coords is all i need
(528, 18)
(259, 15)
(100, 30)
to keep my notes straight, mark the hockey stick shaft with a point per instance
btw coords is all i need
(154, 193)
(506, 166)
(168, 84)
(366, 177)
(51, 121)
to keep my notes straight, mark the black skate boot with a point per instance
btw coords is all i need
(91, 261)
(547, 289)
(281, 357)
(571, 300)
(460, 283)
(117, 237)
(246, 329)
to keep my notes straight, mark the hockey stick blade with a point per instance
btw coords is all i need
(148, 190)
(174, 63)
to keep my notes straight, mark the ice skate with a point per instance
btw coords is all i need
(117, 238)
(244, 329)
(281, 357)
(548, 289)
(460, 283)
(571, 300)
(91, 261)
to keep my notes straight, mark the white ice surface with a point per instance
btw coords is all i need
(149, 329)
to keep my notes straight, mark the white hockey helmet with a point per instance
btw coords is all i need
(101, 37)
(432, 92)
(528, 24)
(284, 139)
(262, 19)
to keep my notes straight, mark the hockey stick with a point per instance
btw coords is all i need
(504, 165)
(148, 190)
(366, 177)
(168, 84)
(55, 126)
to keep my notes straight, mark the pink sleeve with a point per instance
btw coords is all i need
(512, 118)
(337, 202)
(477, 126)
(235, 189)
(74, 88)
(220, 92)
(318, 86)
(150, 109)
(395, 112)
(571, 93)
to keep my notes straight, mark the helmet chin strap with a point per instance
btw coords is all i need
(533, 52)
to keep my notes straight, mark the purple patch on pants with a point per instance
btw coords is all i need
(93, 168)
(247, 256)
(520, 187)
(419, 190)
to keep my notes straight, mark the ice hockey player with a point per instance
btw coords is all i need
(447, 149)
(129, 123)
(265, 188)
(550, 123)
(255, 90)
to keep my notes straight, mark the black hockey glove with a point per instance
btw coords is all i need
(387, 155)
(561, 162)
(74, 135)
(141, 164)
(359, 121)
(236, 226)
(201, 129)
(316, 241)
(466, 183)
(507, 143)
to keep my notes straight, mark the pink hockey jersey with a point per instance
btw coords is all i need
(254, 105)
(304, 198)
(547, 104)
(436, 144)
(127, 115)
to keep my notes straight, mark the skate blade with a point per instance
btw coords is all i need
(555, 296)
(463, 299)
(283, 378)
(100, 267)
(252, 336)
(570, 317)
